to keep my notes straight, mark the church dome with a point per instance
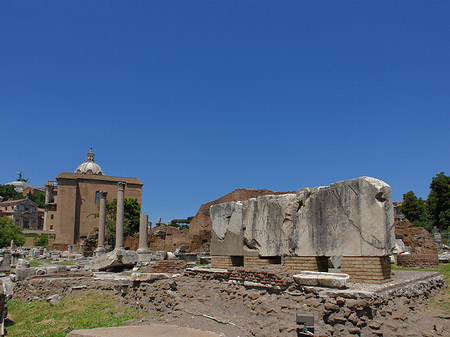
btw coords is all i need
(90, 166)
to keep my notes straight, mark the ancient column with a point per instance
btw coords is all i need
(47, 200)
(120, 215)
(101, 224)
(143, 233)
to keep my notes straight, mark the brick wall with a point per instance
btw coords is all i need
(300, 263)
(221, 262)
(367, 269)
(418, 260)
(255, 262)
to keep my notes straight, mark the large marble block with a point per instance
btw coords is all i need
(347, 218)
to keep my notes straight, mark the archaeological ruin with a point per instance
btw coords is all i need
(347, 225)
(312, 262)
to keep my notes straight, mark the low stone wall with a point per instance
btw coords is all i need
(418, 260)
(39, 289)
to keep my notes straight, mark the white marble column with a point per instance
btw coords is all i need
(120, 215)
(101, 224)
(143, 233)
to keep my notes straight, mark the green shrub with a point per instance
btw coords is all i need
(41, 240)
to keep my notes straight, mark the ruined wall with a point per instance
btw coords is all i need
(202, 220)
(348, 218)
(418, 238)
(167, 238)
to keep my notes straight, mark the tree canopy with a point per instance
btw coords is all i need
(182, 224)
(132, 210)
(38, 197)
(439, 201)
(433, 212)
(9, 231)
(9, 193)
(415, 210)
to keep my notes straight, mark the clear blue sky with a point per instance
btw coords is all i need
(198, 98)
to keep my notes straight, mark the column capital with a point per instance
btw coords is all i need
(121, 185)
(103, 194)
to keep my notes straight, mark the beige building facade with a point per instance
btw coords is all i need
(72, 202)
(24, 212)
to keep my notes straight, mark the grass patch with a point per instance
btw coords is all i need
(37, 263)
(82, 310)
(67, 263)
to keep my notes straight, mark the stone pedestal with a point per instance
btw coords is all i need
(101, 225)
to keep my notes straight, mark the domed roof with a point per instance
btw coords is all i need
(90, 166)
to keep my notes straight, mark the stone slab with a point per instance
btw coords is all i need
(149, 277)
(152, 330)
(116, 258)
(311, 278)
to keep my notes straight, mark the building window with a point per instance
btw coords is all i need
(51, 216)
(97, 197)
(51, 227)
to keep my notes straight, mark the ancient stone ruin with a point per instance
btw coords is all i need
(347, 225)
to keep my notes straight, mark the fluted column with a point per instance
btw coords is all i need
(120, 215)
(101, 224)
(143, 233)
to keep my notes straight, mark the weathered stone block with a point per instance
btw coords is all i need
(348, 218)
(116, 258)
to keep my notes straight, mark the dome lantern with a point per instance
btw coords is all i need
(90, 166)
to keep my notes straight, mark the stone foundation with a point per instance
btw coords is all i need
(418, 260)
(367, 269)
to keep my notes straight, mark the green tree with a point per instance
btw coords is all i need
(38, 197)
(132, 210)
(9, 231)
(438, 202)
(415, 210)
(9, 193)
(182, 224)
(41, 240)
